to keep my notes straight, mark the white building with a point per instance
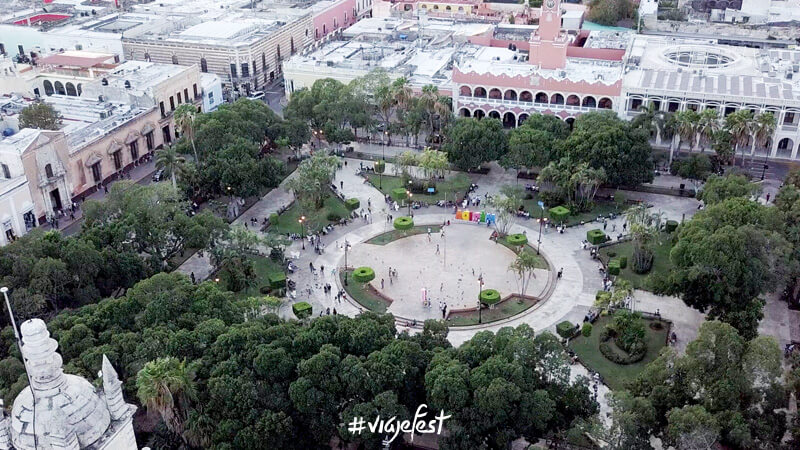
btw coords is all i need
(16, 205)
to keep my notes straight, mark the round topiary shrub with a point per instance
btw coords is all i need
(364, 274)
(586, 330)
(404, 223)
(489, 296)
(399, 194)
(352, 204)
(517, 239)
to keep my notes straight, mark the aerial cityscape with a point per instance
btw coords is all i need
(399, 224)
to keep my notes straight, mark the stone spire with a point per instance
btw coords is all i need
(112, 387)
(61, 435)
(41, 359)
(5, 435)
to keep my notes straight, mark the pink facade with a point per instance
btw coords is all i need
(537, 83)
(342, 14)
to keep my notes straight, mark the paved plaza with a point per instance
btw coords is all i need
(447, 266)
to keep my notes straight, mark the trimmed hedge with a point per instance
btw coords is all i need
(380, 166)
(586, 330)
(403, 223)
(273, 219)
(559, 213)
(277, 280)
(399, 194)
(565, 329)
(635, 356)
(517, 239)
(623, 262)
(671, 226)
(352, 204)
(596, 236)
(364, 274)
(333, 217)
(613, 267)
(489, 296)
(302, 310)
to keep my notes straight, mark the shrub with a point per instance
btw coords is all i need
(596, 236)
(364, 274)
(586, 330)
(559, 214)
(517, 239)
(613, 267)
(612, 254)
(565, 329)
(273, 219)
(602, 296)
(642, 260)
(277, 280)
(398, 194)
(302, 310)
(265, 289)
(671, 226)
(352, 204)
(489, 296)
(403, 223)
(333, 217)
(623, 262)
(380, 166)
(615, 357)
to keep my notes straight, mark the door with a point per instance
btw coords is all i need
(96, 174)
(55, 200)
(117, 159)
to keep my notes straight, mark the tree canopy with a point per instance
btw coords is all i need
(471, 142)
(40, 115)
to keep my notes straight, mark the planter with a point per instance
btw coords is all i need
(489, 296)
(559, 214)
(352, 204)
(596, 236)
(403, 223)
(399, 194)
(517, 239)
(565, 329)
(613, 267)
(363, 274)
(277, 280)
(302, 310)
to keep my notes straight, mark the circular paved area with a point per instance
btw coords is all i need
(451, 275)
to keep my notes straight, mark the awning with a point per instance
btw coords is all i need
(114, 147)
(148, 127)
(132, 136)
(92, 160)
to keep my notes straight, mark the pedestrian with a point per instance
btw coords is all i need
(613, 227)
(341, 184)
(345, 163)
(369, 203)
(382, 283)
(768, 195)
(624, 226)
(437, 249)
(334, 311)
(605, 225)
(193, 278)
(444, 311)
(105, 188)
(322, 269)
(311, 266)
(560, 272)
(390, 273)
(328, 311)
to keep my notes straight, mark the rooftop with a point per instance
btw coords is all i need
(17, 143)
(74, 58)
(141, 75)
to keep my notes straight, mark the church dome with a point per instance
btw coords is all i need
(66, 406)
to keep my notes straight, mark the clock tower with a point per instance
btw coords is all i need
(548, 43)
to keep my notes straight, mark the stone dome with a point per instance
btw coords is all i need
(66, 405)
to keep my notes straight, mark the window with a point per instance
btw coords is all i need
(21, 50)
(48, 87)
(291, 43)
(134, 147)
(203, 65)
(264, 61)
(179, 98)
(163, 113)
(233, 71)
(245, 70)
(149, 140)
(210, 97)
(48, 171)
(97, 175)
(194, 88)
(60, 88)
(175, 59)
(117, 155)
(6, 172)
(186, 95)
(166, 135)
(172, 103)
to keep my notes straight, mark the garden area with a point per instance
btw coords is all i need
(630, 340)
(262, 267)
(661, 264)
(452, 189)
(332, 211)
(363, 293)
(506, 309)
(391, 236)
(516, 241)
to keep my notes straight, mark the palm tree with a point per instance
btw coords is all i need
(184, 120)
(166, 386)
(763, 127)
(429, 98)
(708, 125)
(172, 163)
(738, 125)
(661, 122)
(687, 124)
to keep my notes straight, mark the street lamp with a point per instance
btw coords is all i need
(541, 221)
(346, 247)
(409, 195)
(480, 289)
(302, 220)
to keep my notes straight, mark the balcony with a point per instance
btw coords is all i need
(539, 107)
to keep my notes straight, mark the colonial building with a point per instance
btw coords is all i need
(62, 411)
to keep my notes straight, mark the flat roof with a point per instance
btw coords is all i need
(75, 59)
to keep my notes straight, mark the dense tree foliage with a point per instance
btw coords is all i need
(472, 142)
(718, 188)
(40, 115)
(534, 143)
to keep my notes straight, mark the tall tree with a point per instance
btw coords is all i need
(184, 120)
(313, 180)
(472, 142)
(524, 266)
(171, 162)
(739, 125)
(166, 386)
(761, 130)
(40, 115)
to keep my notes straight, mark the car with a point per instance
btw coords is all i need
(256, 95)
(158, 175)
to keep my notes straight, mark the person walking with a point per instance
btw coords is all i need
(382, 284)
(437, 249)
(560, 272)
(341, 184)
(194, 280)
(444, 310)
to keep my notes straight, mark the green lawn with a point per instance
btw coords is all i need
(661, 262)
(454, 187)
(601, 208)
(263, 267)
(391, 236)
(364, 294)
(541, 263)
(616, 376)
(508, 308)
(315, 219)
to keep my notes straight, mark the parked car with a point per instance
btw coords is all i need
(158, 176)
(256, 95)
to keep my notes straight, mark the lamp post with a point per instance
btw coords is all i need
(346, 248)
(480, 289)
(541, 221)
(766, 166)
(302, 221)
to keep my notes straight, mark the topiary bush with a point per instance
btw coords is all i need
(399, 194)
(517, 239)
(364, 274)
(596, 236)
(613, 267)
(404, 223)
(333, 217)
(489, 296)
(565, 329)
(277, 280)
(273, 219)
(302, 310)
(586, 330)
(352, 204)
(671, 226)
(559, 214)
(623, 262)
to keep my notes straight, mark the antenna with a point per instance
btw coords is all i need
(4, 290)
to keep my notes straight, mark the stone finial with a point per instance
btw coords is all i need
(5, 434)
(42, 362)
(60, 435)
(112, 388)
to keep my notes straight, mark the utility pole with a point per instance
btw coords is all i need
(541, 222)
